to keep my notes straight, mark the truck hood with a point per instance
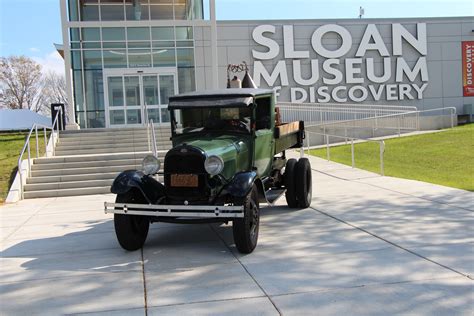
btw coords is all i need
(221, 145)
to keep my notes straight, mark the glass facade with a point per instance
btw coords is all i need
(135, 10)
(96, 51)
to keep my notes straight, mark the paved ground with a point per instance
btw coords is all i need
(368, 245)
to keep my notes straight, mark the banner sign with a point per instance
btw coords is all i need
(467, 68)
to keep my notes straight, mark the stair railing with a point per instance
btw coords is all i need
(153, 138)
(53, 140)
(147, 124)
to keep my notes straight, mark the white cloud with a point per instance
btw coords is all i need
(51, 62)
(34, 49)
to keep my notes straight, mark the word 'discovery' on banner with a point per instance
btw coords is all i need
(467, 71)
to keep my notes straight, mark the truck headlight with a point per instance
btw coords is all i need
(150, 164)
(214, 165)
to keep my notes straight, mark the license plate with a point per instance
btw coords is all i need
(184, 180)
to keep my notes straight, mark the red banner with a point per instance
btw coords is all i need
(468, 68)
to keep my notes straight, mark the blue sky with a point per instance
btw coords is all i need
(30, 27)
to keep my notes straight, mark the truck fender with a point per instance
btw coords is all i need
(151, 189)
(242, 183)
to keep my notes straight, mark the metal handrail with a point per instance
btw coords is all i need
(26, 146)
(328, 154)
(153, 138)
(401, 121)
(350, 106)
(335, 112)
(147, 123)
(451, 109)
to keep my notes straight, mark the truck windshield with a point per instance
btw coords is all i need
(213, 119)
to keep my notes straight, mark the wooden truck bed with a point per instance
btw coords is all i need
(289, 135)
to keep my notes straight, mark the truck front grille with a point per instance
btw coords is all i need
(186, 160)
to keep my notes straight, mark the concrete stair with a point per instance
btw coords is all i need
(87, 161)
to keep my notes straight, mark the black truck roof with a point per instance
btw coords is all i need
(217, 98)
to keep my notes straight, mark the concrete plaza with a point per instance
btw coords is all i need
(368, 245)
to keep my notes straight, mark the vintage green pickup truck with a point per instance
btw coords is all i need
(228, 156)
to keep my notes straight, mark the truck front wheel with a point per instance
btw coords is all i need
(131, 230)
(246, 229)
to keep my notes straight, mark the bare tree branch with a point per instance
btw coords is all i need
(24, 86)
(20, 82)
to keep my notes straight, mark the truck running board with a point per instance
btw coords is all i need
(273, 195)
(198, 211)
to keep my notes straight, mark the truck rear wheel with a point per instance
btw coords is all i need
(304, 188)
(290, 184)
(131, 230)
(246, 229)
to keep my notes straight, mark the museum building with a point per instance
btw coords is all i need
(124, 58)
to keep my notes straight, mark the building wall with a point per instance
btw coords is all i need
(443, 57)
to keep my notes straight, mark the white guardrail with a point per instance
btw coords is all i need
(357, 116)
(53, 140)
(346, 139)
(320, 113)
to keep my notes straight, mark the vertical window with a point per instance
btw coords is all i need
(136, 10)
(115, 58)
(90, 34)
(184, 33)
(138, 34)
(185, 57)
(75, 34)
(89, 10)
(94, 87)
(92, 59)
(198, 10)
(116, 91)
(182, 10)
(73, 10)
(76, 60)
(78, 91)
(162, 33)
(161, 10)
(112, 10)
(138, 58)
(164, 57)
(113, 34)
(186, 80)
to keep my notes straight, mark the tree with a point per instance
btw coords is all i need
(53, 91)
(20, 83)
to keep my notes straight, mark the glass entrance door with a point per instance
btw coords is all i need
(134, 99)
(157, 89)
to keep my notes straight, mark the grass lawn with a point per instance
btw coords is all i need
(10, 147)
(445, 158)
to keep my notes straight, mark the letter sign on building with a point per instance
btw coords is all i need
(467, 71)
(333, 72)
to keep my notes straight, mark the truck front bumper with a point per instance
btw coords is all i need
(196, 211)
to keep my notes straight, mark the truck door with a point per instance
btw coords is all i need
(264, 139)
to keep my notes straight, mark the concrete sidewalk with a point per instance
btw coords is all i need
(367, 245)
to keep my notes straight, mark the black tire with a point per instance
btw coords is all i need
(290, 185)
(246, 229)
(131, 230)
(304, 189)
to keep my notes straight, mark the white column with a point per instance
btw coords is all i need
(214, 58)
(71, 124)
